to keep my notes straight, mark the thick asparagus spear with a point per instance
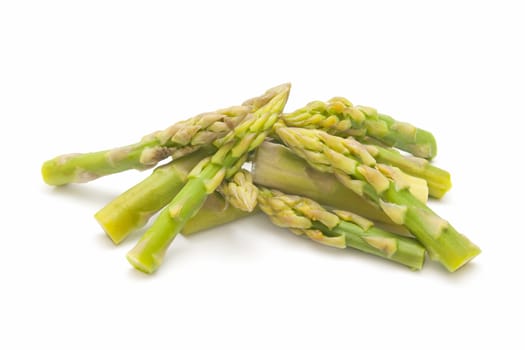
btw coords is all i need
(339, 228)
(133, 208)
(149, 252)
(177, 140)
(276, 166)
(338, 116)
(355, 167)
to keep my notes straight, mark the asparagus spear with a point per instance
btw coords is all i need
(305, 216)
(338, 116)
(355, 167)
(276, 166)
(438, 180)
(133, 208)
(338, 228)
(177, 140)
(232, 151)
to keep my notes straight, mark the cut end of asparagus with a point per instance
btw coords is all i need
(116, 230)
(146, 264)
(426, 145)
(455, 264)
(439, 189)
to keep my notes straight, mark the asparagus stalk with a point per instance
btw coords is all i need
(276, 166)
(438, 180)
(176, 141)
(338, 116)
(338, 228)
(133, 208)
(355, 167)
(232, 152)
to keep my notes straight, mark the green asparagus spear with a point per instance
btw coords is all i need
(338, 116)
(177, 140)
(232, 152)
(133, 208)
(276, 166)
(355, 167)
(339, 228)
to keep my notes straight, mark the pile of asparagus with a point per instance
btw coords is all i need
(339, 174)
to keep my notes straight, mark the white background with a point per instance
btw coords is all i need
(77, 76)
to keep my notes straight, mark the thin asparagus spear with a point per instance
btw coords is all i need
(338, 229)
(177, 140)
(339, 117)
(132, 209)
(355, 167)
(232, 152)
